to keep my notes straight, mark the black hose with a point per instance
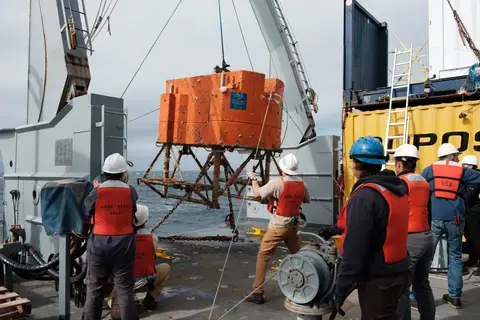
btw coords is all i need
(25, 267)
(38, 271)
(79, 277)
(35, 255)
(43, 276)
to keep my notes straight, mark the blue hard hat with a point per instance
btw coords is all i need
(368, 150)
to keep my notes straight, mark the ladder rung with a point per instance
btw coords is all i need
(398, 111)
(396, 124)
(397, 98)
(400, 75)
(402, 64)
(401, 86)
(394, 137)
(391, 150)
(403, 52)
(390, 164)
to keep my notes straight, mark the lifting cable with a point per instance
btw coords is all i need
(243, 36)
(107, 20)
(96, 22)
(150, 50)
(224, 64)
(40, 112)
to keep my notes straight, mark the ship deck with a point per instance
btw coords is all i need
(190, 290)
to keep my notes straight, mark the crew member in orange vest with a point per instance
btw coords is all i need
(111, 247)
(420, 239)
(286, 195)
(447, 178)
(373, 246)
(146, 246)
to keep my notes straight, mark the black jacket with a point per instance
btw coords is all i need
(472, 198)
(367, 217)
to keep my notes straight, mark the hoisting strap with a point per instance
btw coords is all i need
(221, 34)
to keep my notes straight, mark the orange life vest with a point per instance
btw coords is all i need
(395, 246)
(447, 176)
(418, 196)
(113, 212)
(290, 200)
(145, 255)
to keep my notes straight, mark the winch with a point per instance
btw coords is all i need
(307, 278)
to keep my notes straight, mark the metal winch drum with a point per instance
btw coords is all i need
(304, 276)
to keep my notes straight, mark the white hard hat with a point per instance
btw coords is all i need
(471, 160)
(447, 149)
(115, 163)
(141, 215)
(406, 150)
(289, 164)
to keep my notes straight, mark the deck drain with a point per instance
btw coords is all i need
(223, 286)
(251, 276)
(190, 298)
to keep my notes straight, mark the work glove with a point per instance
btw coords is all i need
(330, 231)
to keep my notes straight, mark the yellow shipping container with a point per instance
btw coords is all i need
(429, 127)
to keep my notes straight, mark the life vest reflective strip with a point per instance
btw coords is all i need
(447, 176)
(291, 198)
(395, 246)
(418, 196)
(113, 212)
(145, 255)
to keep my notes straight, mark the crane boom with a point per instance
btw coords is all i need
(60, 39)
(288, 66)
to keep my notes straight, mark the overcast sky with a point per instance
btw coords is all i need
(190, 46)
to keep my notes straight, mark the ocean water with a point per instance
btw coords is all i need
(188, 216)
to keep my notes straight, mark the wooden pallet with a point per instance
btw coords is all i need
(12, 305)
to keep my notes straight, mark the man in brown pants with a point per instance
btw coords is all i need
(286, 197)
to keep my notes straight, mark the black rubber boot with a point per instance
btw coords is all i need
(149, 302)
(454, 302)
(257, 298)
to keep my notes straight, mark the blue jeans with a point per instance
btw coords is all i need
(453, 232)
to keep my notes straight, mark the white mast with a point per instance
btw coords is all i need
(286, 62)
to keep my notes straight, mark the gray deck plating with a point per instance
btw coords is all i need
(189, 292)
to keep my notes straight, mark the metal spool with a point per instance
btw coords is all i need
(304, 275)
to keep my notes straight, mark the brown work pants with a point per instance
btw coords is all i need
(162, 272)
(270, 241)
(379, 296)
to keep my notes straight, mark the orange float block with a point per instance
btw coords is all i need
(195, 111)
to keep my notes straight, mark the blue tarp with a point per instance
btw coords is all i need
(62, 206)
